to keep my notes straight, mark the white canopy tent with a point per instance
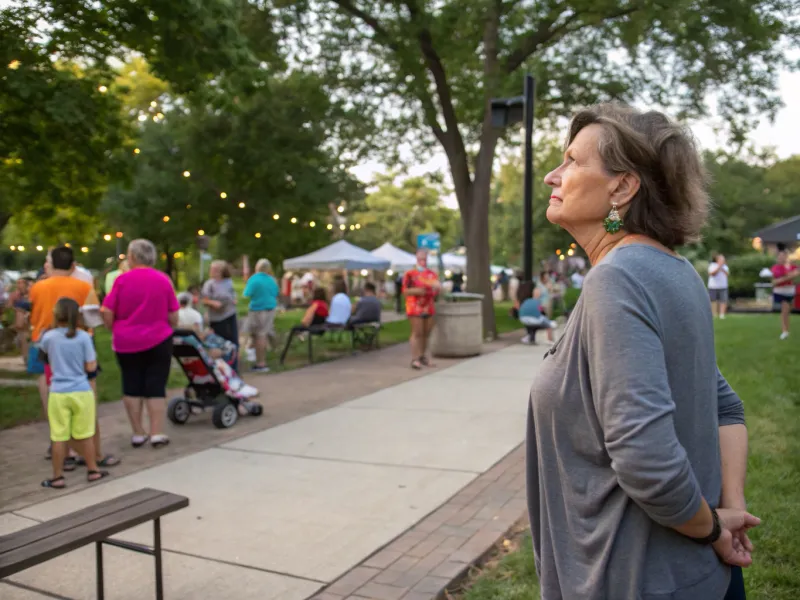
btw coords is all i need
(339, 255)
(400, 259)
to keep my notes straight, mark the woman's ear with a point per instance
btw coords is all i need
(626, 188)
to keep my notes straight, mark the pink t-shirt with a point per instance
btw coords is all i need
(141, 300)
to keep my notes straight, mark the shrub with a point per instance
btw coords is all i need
(744, 273)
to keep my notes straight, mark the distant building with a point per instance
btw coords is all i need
(785, 233)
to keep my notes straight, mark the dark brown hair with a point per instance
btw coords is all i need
(320, 294)
(672, 203)
(524, 291)
(339, 285)
(66, 314)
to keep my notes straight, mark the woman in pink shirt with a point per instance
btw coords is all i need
(141, 311)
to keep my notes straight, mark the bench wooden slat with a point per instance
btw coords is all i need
(85, 515)
(102, 527)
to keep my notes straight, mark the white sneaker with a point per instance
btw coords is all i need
(784, 335)
(722, 316)
(526, 340)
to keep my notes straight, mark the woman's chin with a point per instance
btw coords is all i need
(554, 214)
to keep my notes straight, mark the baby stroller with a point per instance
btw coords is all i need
(212, 383)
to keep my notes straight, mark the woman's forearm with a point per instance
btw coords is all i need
(700, 525)
(733, 454)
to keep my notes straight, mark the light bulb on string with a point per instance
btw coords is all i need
(107, 237)
(358, 225)
(241, 204)
(166, 219)
(119, 234)
(276, 216)
(258, 235)
(187, 174)
(142, 118)
(84, 249)
(160, 115)
(188, 206)
(340, 209)
(14, 65)
(21, 248)
(122, 257)
(312, 224)
(68, 245)
(136, 151)
(39, 248)
(294, 219)
(153, 104)
(330, 226)
(13, 248)
(102, 89)
(200, 232)
(570, 252)
(342, 226)
(352, 227)
(223, 195)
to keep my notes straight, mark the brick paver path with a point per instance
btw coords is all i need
(286, 396)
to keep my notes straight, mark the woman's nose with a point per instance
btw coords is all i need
(552, 178)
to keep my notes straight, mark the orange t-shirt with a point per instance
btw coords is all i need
(44, 295)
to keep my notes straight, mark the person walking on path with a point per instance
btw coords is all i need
(219, 297)
(636, 444)
(71, 405)
(718, 273)
(141, 312)
(44, 295)
(784, 282)
(420, 287)
(262, 290)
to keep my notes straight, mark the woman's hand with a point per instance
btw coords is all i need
(733, 546)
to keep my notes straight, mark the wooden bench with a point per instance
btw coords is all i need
(365, 334)
(95, 524)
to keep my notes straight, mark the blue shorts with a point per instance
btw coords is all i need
(35, 365)
(780, 298)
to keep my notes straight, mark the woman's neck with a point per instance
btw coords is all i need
(601, 243)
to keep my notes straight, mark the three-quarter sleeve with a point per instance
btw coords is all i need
(632, 399)
(730, 408)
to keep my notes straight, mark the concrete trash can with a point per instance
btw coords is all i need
(459, 326)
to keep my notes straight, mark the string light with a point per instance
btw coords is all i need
(188, 206)
(13, 248)
(102, 89)
(561, 257)
(570, 252)
(39, 248)
(160, 116)
(119, 234)
(136, 151)
(258, 235)
(330, 226)
(21, 248)
(241, 204)
(312, 224)
(166, 219)
(294, 220)
(223, 195)
(153, 104)
(558, 252)
(122, 257)
(187, 174)
(178, 255)
(200, 232)
(340, 209)
(107, 237)
(68, 245)
(364, 272)
(352, 228)
(276, 216)
(14, 65)
(342, 226)
(142, 118)
(84, 249)
(358, 225)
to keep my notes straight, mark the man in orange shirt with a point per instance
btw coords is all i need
(43, 297)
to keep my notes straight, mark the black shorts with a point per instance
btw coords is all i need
(145, 374)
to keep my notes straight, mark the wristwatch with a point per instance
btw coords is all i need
(716, 531)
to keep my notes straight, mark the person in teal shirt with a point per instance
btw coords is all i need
(262, 290)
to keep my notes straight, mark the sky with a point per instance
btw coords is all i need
(783, 135)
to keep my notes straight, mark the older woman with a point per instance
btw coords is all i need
(219, 297)
(262, 290)
(637, 447)
(141, 311)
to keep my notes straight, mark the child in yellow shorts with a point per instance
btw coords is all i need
(71, 406)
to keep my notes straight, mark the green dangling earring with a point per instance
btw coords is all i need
(613, 222)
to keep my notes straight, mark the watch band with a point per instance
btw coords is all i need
(716, 531)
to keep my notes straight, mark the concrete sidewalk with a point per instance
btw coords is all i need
(280, 513)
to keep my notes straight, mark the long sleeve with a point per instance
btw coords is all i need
(729, 406)
(632, 399)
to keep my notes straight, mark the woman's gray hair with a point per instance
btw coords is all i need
(263, 266)
(672, 203)
(143, 252)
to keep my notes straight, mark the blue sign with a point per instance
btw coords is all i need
(429, 241)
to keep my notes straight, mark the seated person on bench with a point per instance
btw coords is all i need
(340, 304)
(531, 313)
(317, 313)
(367, 309)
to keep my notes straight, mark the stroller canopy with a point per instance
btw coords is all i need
(339, 255)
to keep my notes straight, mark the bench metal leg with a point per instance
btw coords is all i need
(99, 553)
(157, 551)
(310, 348)
(286, 347)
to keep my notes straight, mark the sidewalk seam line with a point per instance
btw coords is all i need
(353, 462)
(30, 588)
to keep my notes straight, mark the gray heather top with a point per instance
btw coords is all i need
(221, 291)
(623, 436)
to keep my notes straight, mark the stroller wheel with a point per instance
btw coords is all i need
(224, 415)
(179, 411)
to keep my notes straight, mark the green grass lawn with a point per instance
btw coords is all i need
(764, 371)
(22, 405)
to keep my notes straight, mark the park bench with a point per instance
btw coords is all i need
(95, 524)
(361, 334)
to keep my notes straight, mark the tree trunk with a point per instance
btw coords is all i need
(476, 236)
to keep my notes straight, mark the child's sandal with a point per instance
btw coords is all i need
(57, 483)
(99, 475)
